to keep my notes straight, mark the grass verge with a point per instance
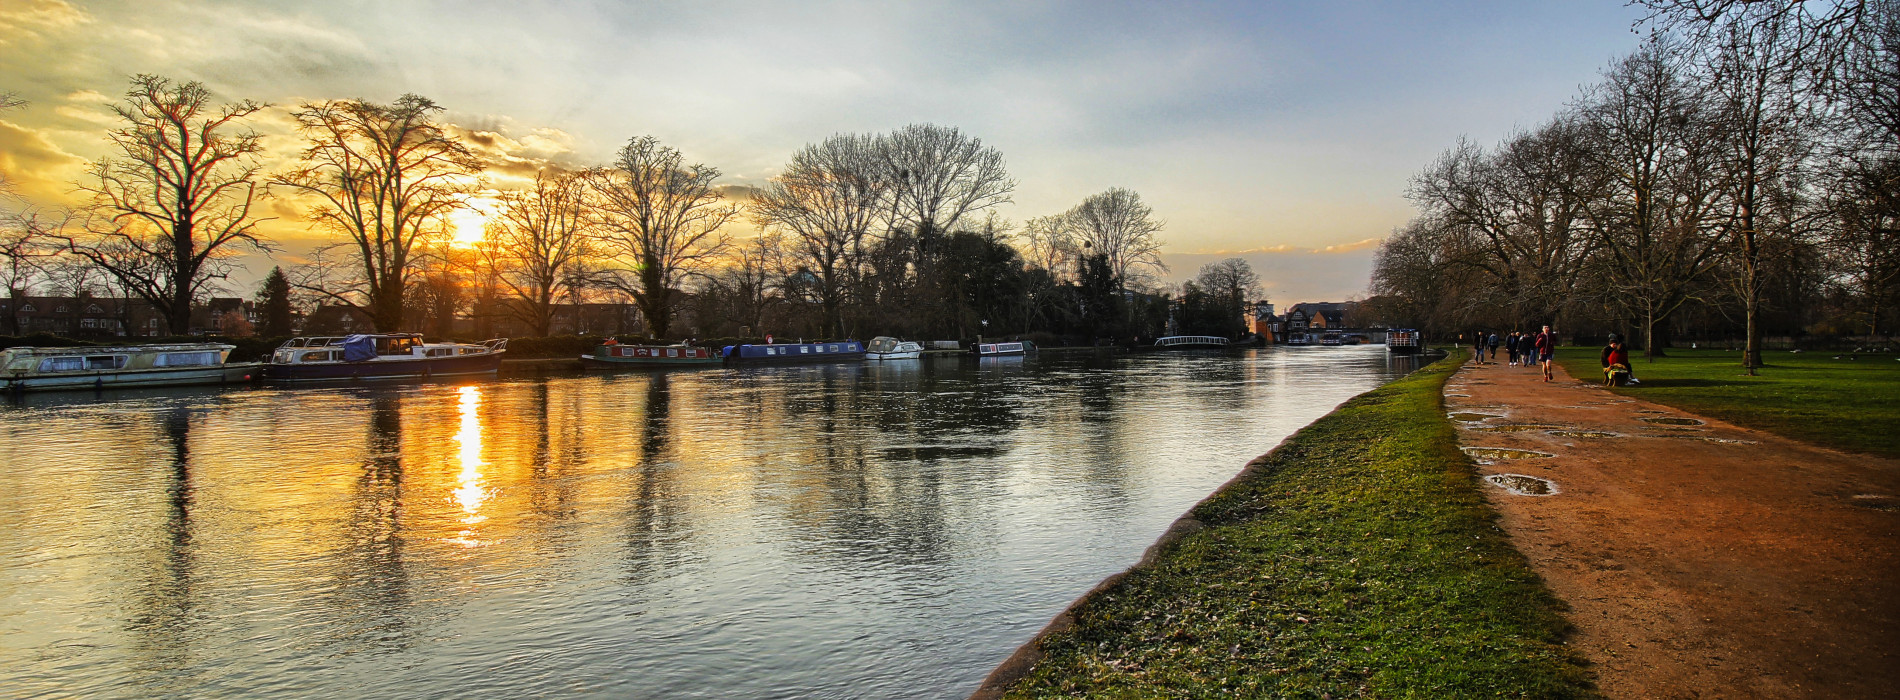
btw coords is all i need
(1358, 559)
(1810, 396)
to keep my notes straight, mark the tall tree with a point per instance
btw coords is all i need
(661, 217)
(1232, 286)
(385, 177)
(176, 200)
(537, 237)
(1649, 128)
(274, 296)
(829, 198)
(1761, 122)
(939, 175)
(1118, 226)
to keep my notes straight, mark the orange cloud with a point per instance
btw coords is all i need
(31, 19)
(37, 166)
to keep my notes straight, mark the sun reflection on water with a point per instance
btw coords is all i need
(469, 492)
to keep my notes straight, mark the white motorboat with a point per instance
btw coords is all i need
(885, 347)
(120, 367)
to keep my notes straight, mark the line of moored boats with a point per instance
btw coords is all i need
(394, 356)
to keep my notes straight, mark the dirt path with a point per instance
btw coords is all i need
(1699, 561)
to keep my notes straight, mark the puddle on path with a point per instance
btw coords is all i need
(1518, 427)
(1583, 434)
(1875, 501)
(1458, 396)
(1504, 453)
(1705, 438)
(1671, 421)
(1678, 430)
(1650, 410)
(1523, 485)
(1470, 417)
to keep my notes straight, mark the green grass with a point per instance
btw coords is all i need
(1359, 561)
(1843, 404)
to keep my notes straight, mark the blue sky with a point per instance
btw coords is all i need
(1282, 132)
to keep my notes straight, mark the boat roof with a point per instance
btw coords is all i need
(110, 349)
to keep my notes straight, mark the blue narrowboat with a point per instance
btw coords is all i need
(840, 351)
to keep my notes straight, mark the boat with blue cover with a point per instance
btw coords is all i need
(836, 351)
(380, 356)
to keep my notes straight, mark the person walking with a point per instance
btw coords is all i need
(1493, 342)
(1546, 346)
(1510, 347)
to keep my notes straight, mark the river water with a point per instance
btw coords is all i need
(866, 531)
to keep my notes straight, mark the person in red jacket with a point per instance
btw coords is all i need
(1546, 345)
(1616, 363)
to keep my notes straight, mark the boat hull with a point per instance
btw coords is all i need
(645, 356)
(131, 379)
(905, 355)
(383, 368)
(790, 353)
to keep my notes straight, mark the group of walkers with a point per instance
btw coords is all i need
(1521, 349)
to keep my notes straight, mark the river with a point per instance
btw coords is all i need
(847, 530)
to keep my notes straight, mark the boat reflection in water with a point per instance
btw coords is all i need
(807, 530)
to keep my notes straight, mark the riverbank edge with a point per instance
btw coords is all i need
(1530, 617)
(533, 366)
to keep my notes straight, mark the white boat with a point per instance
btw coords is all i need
(885, 347)
(380, 356)
(120, 367)
(1190, 342)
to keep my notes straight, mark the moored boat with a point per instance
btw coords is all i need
(1402, 341)
(120, 367)
(380, 356)
(840, 351)
(1003, 349)
(885, 347)
(633, 356)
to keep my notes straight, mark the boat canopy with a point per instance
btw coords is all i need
(359, 348)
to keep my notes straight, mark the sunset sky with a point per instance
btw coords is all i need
(1280, 132)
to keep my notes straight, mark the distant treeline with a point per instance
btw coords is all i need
(1738, 174)
(864, 234)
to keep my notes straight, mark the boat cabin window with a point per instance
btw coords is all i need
(105, 361)
(440, 352)
(62, 364)
(396, 346)
(316, 356)
(188, 359)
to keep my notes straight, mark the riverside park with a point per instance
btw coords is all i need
(930, 350)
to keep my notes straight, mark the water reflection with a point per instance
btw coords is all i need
(876, 530)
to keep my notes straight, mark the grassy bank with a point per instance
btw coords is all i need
(1358, 559)
(1809, 396)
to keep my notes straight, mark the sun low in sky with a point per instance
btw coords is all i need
(1279, 132)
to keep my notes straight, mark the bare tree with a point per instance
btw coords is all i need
(1233, 285)
(1767, 140)
(940, 175)
(1049, 242)
(661, 217)
(386, 177)
(177, 201)
(534, 241)
(828, 199)
(1516, 215)
(1657, 220)
(1115, 224)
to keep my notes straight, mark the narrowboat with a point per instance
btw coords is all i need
(636, 356)
(840, 351)
(1402, 341)
(885, 347)
(1003, 349)
(1190, 342)
(120, 367)
(380, 356)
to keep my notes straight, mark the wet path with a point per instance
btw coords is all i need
(1699, 559)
